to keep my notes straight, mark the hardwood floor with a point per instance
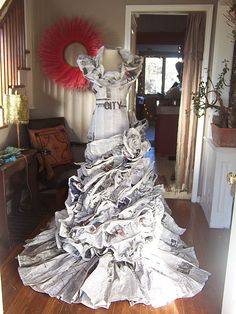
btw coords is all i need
(21, 225)
(211, 248)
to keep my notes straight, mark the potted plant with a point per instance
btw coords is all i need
(209, 96)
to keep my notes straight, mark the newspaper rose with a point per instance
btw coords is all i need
(134, 146)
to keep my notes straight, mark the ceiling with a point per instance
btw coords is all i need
(160, 34)
(161, 23)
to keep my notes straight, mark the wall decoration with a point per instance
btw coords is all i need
(54, 44)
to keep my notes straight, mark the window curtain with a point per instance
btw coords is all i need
(186, 138)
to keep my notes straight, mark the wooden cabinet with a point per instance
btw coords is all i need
(14, 177)
(166, 130)
(216, 195)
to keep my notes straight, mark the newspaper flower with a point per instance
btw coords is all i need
(134, 146)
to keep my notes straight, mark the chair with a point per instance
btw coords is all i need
(49, 137)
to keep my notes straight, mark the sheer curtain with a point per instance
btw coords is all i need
(193, 54)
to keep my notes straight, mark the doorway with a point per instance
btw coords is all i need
(132, 10)
(160, 40)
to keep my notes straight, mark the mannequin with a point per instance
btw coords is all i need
(111, 60)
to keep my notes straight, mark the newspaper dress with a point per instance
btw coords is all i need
(116, 239)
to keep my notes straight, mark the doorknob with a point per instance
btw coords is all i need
(231, 178)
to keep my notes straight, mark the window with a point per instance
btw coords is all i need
(12, 48)
(160, 74)
(153, 75)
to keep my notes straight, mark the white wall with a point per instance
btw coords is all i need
(8, 136)
(2, 2)
(50, 99)
(222, 50)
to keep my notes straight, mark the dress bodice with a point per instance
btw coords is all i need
(111, 88)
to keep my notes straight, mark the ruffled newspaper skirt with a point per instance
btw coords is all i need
(116, 239)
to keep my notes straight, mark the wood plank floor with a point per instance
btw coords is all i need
(211, 247)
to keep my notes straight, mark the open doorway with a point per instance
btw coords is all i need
(130, 33)
(160, 40)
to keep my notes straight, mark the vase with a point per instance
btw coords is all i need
(223, 137)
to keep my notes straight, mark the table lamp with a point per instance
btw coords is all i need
(16, 111)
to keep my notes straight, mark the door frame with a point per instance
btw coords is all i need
(180, 9)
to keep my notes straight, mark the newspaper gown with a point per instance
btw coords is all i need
(116, 239)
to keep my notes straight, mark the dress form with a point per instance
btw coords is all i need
(111, 60)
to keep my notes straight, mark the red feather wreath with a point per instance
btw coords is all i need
(52, 48)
